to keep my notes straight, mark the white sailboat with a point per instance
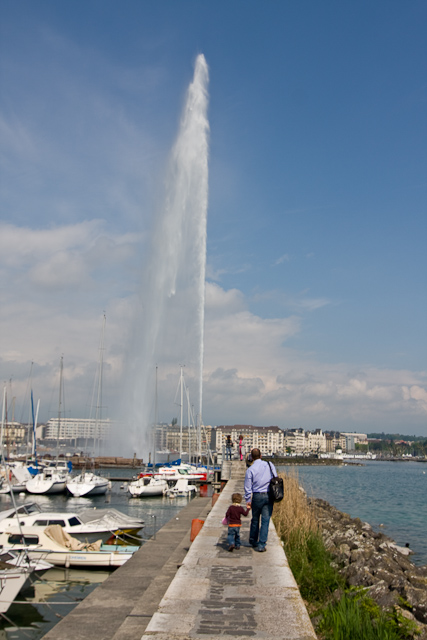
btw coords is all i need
(53, 479)
(88, 483)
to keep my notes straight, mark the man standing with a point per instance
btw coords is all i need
(257, 480)
(228, 446)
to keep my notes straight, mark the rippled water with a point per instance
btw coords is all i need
(391, 494)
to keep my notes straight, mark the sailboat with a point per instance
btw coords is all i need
(88, 483)
(52, 479)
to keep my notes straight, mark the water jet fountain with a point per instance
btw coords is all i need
(170, 315)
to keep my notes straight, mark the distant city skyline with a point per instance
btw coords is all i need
(316, 305)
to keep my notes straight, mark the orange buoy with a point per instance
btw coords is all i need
(196, 525)
(203, 490)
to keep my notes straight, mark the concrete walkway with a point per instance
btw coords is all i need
(217, 594)
(170, 590)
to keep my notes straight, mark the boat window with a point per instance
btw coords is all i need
(146, 481)
(74, 521)
(60, 522)
(32, 508)
(17, 538)
(41, 523)
(184, 472)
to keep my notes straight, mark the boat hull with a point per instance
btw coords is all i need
(11, 583)
(93, 559)
(45, 486)
(81, 489)
(141, 489)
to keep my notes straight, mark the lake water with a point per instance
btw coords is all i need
(62, 589)
(391, 494)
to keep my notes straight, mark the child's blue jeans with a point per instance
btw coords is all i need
(233, 537)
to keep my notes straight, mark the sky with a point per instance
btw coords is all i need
(316, 305)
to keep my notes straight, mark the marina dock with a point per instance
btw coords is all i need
(174, 590)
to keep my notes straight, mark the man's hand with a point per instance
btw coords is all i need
(248, 505)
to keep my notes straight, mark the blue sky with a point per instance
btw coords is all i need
(316, 291)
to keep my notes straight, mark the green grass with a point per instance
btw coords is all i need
(310, 563)
(355, 617)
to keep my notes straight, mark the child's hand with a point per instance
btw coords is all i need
(248, 505)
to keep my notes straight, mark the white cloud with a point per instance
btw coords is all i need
(284, 258)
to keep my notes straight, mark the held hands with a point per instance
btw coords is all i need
(248, 505)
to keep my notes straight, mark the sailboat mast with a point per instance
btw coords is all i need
(156, 419)
(99, 395)
(2, 423)
(180, 424)
(61, 366)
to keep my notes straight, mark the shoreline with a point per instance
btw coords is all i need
(373, 561)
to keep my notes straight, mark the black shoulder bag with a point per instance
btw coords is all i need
(275, 488)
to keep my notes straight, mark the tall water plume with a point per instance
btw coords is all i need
(170, 327)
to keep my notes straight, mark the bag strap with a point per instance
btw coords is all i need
(271, 471)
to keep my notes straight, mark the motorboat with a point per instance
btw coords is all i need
(89, 525)
(175, 472)
(12, 580)
(147, 486)
(63, 550)
(88, 484)
(181, 488)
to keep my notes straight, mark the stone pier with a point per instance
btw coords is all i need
(214, 594)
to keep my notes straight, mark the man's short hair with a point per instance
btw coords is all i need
(255, 453)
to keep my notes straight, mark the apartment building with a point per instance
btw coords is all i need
(77, 429)
(269, 440)
(351, 439)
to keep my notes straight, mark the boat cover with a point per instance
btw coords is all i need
(56, 533)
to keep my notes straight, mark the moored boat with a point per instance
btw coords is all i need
(147, 486)
(12, 580)
(181, 488)
(88, 484)
(62, 550)
(89, 525)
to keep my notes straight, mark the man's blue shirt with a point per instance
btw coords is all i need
(258, 477)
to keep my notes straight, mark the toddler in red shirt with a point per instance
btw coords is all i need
(234, 513)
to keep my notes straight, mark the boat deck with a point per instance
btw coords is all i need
(214, 595)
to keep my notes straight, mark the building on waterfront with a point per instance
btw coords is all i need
(269, 440)
(300, 442)
(351, 439)
(334, 441)
(295, 441)
(77, 431)
(15, 433)
(170, 437)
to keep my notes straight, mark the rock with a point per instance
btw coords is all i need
(405, 551)
(374, 561)
(417, 598)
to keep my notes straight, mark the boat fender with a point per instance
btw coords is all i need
(67, 561)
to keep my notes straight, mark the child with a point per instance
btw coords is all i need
(233, 515)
